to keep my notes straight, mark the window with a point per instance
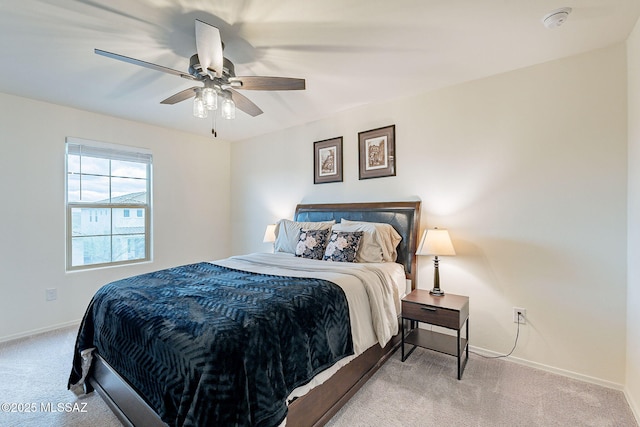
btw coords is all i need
(104, 183)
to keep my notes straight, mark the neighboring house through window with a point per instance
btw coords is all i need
(104, 184)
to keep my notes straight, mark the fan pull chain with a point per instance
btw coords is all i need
(213, 125)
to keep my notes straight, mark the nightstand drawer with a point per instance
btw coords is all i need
(430, 314)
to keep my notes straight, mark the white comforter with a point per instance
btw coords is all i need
(373, 291)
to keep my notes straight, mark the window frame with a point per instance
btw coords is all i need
(109, 207)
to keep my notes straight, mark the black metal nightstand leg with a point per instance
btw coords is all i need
(467, 338)
(463, 363)
(402, 336)
(459, 355)
(406, 355)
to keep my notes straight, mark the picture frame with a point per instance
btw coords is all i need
(377, 152)
(327, 161)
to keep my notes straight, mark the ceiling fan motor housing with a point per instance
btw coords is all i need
(195, 69)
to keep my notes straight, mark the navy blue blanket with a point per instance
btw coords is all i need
(207, 345)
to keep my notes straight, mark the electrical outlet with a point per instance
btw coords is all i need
(51, 294)
(520, 315)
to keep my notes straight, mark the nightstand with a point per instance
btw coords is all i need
(448, 311)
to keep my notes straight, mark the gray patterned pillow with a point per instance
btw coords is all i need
(311, 243)
(343, 246)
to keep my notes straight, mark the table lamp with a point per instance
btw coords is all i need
(438, 243)
(270, 234)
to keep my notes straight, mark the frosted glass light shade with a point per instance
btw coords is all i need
(210, 98)
(228, 109)
(199, 109)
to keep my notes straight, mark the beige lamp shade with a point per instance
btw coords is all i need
(270, 234)
(436, 242)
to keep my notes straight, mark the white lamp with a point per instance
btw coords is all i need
(270, 234)
(438, 243)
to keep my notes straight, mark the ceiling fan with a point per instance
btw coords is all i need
(217, 75)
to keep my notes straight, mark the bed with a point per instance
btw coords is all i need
(331, 376)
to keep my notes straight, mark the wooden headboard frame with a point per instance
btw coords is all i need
(403, 216)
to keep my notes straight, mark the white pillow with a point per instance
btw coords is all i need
(379, 240)
(287, 232)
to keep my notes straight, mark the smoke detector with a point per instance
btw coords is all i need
(556, 18)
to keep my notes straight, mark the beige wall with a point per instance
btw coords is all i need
(633, 291)
(190, 207)
(527, 169)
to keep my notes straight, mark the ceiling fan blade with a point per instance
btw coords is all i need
(209, 47)
(143, 64)
(180, 96)
(267, 83)
(245, 104)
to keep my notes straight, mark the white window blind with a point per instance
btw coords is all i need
(107, 151)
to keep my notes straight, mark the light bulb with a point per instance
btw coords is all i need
(210, 98)
(228, 109)
(199, 109)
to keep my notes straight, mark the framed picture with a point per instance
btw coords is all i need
(327, 161)
(377, 152)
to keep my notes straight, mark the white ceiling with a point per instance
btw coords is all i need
(350, 52)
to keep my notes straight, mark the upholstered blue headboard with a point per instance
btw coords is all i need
(403, 216)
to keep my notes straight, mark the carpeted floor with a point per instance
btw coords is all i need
(423, 391)
(33, 381)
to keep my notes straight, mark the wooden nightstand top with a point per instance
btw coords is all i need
(448, 301)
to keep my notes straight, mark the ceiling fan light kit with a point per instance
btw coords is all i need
(210, 98)
(199, 109)
(556, 18)
(217, 74)
(228, 109)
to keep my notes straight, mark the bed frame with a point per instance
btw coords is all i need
(318, 406)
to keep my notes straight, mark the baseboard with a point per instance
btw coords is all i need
(554, 370)
(633, 405)
(39, 331)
